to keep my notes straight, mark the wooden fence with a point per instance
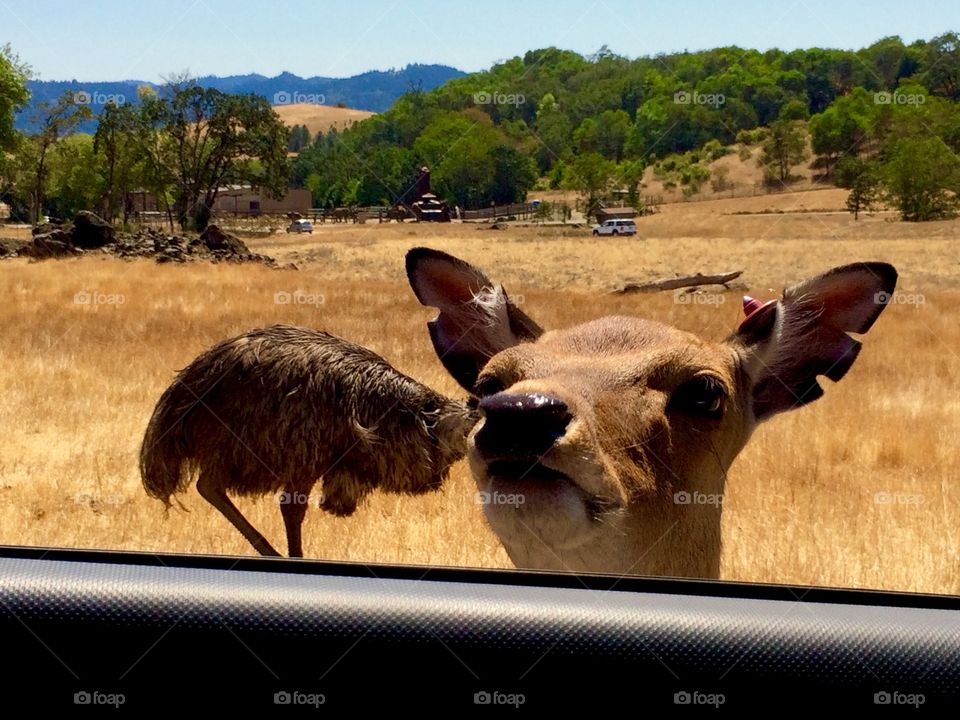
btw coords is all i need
(517, 210)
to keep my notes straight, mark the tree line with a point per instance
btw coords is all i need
(180, 146)
(876, 119)
(592, 123)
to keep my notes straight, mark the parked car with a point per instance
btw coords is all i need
(300, 226)
(616, 227)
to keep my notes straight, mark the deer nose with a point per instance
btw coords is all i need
(520, 426)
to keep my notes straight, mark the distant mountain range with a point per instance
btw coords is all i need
(375, 90)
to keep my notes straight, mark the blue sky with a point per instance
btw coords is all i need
(114, 39)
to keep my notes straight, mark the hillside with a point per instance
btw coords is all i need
(373, 91)
(319, 118)
(604, 123)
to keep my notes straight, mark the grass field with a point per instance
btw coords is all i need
(859, 489)
(319, 118)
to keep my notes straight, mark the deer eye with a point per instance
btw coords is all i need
(703, 395)
(488, 385)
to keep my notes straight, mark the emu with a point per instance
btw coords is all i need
(276, 410)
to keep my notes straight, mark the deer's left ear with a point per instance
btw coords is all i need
(787, 344)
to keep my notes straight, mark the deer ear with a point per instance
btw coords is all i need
(787, 344)
(476, 320)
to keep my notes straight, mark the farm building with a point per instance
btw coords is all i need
(232, 199)
(244, 200)
(615, 213)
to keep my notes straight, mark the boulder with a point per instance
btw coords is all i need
(11, 248)
(216, 240)
(90, 230)
(43, 229)
(54, 244)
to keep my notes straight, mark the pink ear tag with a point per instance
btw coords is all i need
(752, 310)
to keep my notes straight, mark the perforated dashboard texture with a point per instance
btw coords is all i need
(224, 632)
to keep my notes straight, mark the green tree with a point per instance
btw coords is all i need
(387, 174)
(75, 182)
(449, 132)
(942, 74)
(784, 148)
(591, 175)
(630, 177)
(606, 134)
(17, 176)
(794, 110)
(554, 139)
(299, 138)
(462, 149)
(465, 176)
(922, 177)
(844, 127)
(890, 60)
(610, 134)
(13, 95)
(157, 162)
(214, 139)
(118, 152)
(56, 121)
(862, 178)
(513, 175)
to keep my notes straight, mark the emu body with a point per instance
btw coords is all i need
(276, 410)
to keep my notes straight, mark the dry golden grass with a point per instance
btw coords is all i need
(745, 177)
(78, 383)
(782, 243)
(319, 118)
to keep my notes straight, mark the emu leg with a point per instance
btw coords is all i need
(293, 512)
(217, 497)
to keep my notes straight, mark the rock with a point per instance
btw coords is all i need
(216, 239)
(90, 230)
(11, 248)
(43, 229)
(54, 244)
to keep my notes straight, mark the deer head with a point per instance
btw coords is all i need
(595, 438)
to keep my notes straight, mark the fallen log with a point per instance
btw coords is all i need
(679, 282)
